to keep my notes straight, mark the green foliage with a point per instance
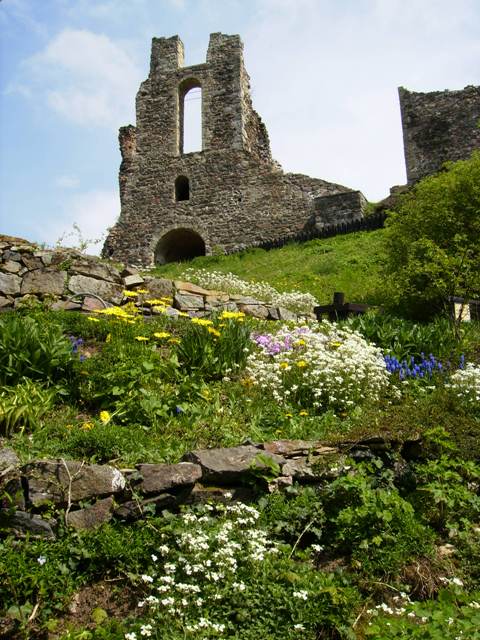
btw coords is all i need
(22, 406)
(295, 516)
(453, 615)
(371, 522)
(432, 241)
(447, 492)
(34, 349)
(404, 339)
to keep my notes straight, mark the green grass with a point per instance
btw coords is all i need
(350, 263)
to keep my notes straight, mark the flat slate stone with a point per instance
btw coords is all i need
(158, 287)
(254, 310)
(93, 268)
(93, 516)
(289, 448)
(188, 287)
(49, 481)
(229, 464)
(157, 478)
(22, 523)
(133, 280)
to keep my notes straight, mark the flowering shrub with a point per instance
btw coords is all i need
(231, 283)
(220, 576)
(322, 366)
(466, 383)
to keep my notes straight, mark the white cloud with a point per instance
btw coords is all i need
(86, 77)
(67, 182)
(93, 212)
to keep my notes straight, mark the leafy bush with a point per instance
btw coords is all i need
(432, 241)
(33, 349)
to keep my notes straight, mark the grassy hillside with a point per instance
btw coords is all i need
(349, 263)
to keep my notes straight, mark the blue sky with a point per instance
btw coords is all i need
(324, 77)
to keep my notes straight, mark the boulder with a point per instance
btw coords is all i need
(10, 284)
(58, 480)
(224, 466)
(108, 291)
(43, 281)
(157, 478)
(286, 315)
(93, 516)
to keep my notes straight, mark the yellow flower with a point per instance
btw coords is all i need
(335, 345)
(174, 341)
(214, 331)
(289, 415)
(86, 426)
(141, 291)
(158, 309)
(93, 319)
(202, 321)
(247, 382)
(162, 334)
(303, 413)
(155, 301)
(69, 426)
(301, 364)
(105, 417)
(108, 338)
(184, 314)
(232, 315)
(300, 343)
(141, 338)
(130, 294)
(284, 365)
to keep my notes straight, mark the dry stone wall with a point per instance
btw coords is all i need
(69, 280)
(29, 491)
(438, 127)
(238, 196)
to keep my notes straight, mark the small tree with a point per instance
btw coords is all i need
(433, 241)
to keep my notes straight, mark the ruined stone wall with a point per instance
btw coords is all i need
(438, 127)
(238, 195)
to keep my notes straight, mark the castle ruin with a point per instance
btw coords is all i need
(226, 197)
(439, 126)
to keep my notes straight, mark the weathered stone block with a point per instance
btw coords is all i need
(187, 302)
(10, 266)
(159, 287)
(254, 310)
(10, 284)
(22, 523)
(161, 477)
(57, 480)
(133, 281)
(223, 466)
(93, 268)
(106, 290)
(93, 516)
(43, 281)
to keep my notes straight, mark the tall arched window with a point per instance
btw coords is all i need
(182, 188)
(190, 111)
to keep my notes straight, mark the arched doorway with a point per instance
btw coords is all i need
(178, 245)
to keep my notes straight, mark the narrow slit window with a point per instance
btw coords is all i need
(182, 188)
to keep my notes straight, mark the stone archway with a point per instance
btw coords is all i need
(179, 244)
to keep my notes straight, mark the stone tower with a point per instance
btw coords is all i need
(439, 126)
(228, 196)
